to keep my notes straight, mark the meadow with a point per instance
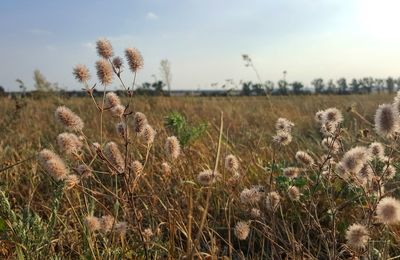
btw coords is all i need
(123, 176)
(172, 214)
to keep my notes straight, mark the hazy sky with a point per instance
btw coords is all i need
(203, 39)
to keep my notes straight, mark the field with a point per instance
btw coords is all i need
(160, 214)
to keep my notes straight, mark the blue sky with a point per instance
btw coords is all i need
(203, 39)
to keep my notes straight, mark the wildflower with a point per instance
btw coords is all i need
(242, 230)
(331, 144)
(291, 172)
(388, 210)
(304, 158)
(81, 73)
(139, 122)
(207, 177)
(69, 143)
(354, 159)
(377, 150)
(231, 163)
(106, 223)
(386, 120)
(53, 164)
(148, 134)
(134, 58)
(104, 72)
(104, 48)
(92, 223)
(389, 172)
(328, 129)
(272, 200)
(137, 167)
(357, 236)
(282, 124)
(69, 119)
(172, 147)
(117, 62)
(319, 116)
(332, 115)
(250, 196)
(118, 110)
(293, 193)
(282, 138)
(114, 156)
(112, 100)
(365, 174)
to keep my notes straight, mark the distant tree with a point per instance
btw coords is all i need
(390, 84)
(282, 87)
(331, 87)
(297, 87)
(41, 84)
(269, 86)
(158, 87)
(379, 85)
(367, 84)
(355, 86)
(342, 86)
(318, 85)
(246, 88)
(257, 89)
(166, 74)
(2, 91)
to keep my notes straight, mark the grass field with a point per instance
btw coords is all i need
(171, 215)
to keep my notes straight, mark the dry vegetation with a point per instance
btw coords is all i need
(240, 190)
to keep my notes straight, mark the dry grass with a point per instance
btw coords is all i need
(172, 206)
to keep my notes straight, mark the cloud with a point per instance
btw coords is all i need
(37, 31)
(151, 16)
(89, 45)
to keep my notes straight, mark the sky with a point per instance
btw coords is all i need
(202, 39)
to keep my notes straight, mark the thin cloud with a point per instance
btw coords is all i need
(151, 16)
(37, 31)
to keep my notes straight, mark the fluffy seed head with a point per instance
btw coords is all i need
(139, 121)
(328, 129)
(118, 111)
(166, 169)
(331, 144)
(294, 193)
(172, 147)
(121, 129)
(117, 62)
(272, 200)
(148, 134)
(389, 172)
(134, 58)
(112, 100)
(354, 159)
(81, 73)
(69, 119)
(291, 172)
(115, 157)
(231, 163)
(364, 176)
(282, 138)
(137, 167)
(386, 120)
(242, 230)
(71, 181)
(319, 116)
(106, 223)
(53, 164)
(304, 158)
(357, 236)
(84, 171)
(92, 223)
(250, 196)
(255, 213)
(388, 210)
(120, 228)
(69, 143)
(332, 115)
(104, 48)
(377, 150)
(104, 72)
(207, 177)
(282, 124)
(147, 235)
